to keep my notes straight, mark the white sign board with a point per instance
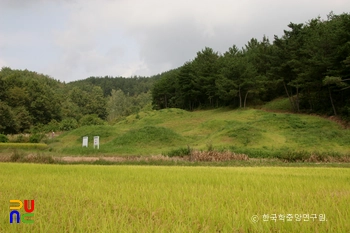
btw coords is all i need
(85, 141)
(97, 142)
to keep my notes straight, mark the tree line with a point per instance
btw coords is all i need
(309, 64)
(32, 102)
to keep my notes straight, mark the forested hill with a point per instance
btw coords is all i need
(131, 86)
(31, 102)
(309, 64)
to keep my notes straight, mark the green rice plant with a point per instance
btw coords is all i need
(94, 198)
(34, 146)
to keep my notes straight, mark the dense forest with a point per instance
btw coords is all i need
(31, 102)
(309, 64)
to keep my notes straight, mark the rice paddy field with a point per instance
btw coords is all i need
(93, 198)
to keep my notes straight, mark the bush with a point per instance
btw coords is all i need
(52, 126)
(68, 124)
(36, 138)
(3, 138)
(92, 119)
(21, 138)
(294, 156)
(37, 128)
(181, 152)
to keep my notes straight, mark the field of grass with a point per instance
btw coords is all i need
(254, 132)
(86, 198)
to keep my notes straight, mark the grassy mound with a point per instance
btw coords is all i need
(256, 133)
(148, 136)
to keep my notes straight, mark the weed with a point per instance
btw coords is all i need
(180, 152)
(3, 138)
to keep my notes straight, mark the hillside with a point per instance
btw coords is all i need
(257, 133)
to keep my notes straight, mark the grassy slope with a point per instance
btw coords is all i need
(255, 132)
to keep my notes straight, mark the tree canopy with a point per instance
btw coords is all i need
(309, 64)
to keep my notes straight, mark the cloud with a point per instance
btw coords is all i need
(137, 37)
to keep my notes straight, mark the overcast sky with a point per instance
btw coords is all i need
(75, 39)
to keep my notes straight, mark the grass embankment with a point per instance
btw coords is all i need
(256, 133)
(86, 198)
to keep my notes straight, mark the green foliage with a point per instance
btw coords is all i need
(180, 152)
(21, 138)
(36, 138)
(91, 119)
(52, 126)
(68, 124)
(3, 138)
(7, 122)
(279, 104)
(309, 65)
(120, 105)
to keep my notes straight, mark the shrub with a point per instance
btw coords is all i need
(52, 126)
(181, 152)
(36, 138)
(294, 156)
(21, 138)
(37, 128)
(91, 119)
(3, 138)
(68, 124)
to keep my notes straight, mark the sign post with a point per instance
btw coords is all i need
(97, 142)
(85, 141)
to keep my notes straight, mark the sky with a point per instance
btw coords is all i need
(76, 39)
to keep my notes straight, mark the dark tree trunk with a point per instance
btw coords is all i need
(330, 96)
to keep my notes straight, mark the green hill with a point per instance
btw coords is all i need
(257, 133)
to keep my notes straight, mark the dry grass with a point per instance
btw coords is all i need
(214, 156)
